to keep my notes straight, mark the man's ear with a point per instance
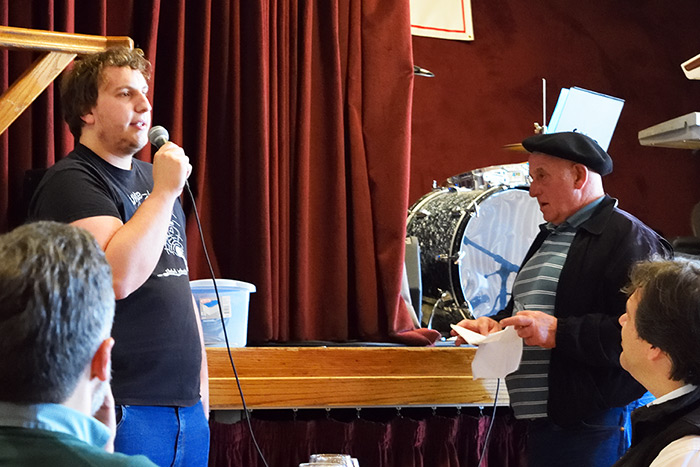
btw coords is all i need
(88, 118)
(101, 362)
(580, 175)
(655, 354)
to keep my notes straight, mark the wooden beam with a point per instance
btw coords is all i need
(51, 41)
(351, 377)
(32, 83)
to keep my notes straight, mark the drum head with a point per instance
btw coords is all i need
(494, 243)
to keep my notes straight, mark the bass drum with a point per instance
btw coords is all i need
(472, 243)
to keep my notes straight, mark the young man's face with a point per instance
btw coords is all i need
(122, 115)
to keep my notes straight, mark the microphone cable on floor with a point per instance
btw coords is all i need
(493, 418)
(223, 325)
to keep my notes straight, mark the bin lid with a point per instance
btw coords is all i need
(223, 283)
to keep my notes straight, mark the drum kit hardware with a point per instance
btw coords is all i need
(473, 234)
(451, 259)
(447, 303)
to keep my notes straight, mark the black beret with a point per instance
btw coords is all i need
(572, 146)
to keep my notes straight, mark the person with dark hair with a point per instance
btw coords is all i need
(133, 209)
(660, 348)
(566, 300)
(56, 311)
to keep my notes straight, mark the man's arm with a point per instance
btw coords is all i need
(591, 333)
(133, 249)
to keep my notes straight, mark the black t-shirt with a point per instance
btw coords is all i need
(157, 355)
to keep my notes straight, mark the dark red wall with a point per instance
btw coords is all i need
(488, 93)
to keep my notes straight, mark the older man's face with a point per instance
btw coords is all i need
(553, 184)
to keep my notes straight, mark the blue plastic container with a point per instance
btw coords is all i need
(235, 297)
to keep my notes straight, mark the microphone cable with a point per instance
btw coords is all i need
(158, 136)
(223, 325)
(493, 419)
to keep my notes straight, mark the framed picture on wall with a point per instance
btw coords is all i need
(444, 19)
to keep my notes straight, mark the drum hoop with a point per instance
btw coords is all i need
(454, 249)
(420, 203)
(487, 193)
(451, 269)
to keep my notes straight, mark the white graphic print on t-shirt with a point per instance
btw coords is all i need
(174, 244)
(137, 198)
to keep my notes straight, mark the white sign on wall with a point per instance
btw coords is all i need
(444, 19)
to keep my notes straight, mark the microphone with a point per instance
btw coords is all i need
(158, 136)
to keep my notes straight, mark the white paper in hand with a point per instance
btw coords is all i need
(498, 354)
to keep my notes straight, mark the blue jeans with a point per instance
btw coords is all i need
(168, 436)
(597, 441)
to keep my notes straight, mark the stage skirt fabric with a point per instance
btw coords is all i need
(377, 438)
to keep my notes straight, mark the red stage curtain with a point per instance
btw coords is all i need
(378, 441)
(296, 116)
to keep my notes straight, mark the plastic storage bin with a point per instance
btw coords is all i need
(235, 296)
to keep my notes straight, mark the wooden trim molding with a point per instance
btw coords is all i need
(52, 41)
(347, 377)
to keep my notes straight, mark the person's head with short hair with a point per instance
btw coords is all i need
(56, 311)
(565, 171)
(80, 85)
(660, 328)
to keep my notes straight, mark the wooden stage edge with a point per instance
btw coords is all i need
(348, 377)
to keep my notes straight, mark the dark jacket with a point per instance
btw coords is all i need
(38, 447)
(585, 376)
(655, 427)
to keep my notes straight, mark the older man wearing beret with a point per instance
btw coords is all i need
(565, 304)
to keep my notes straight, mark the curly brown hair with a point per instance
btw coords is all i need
(79, 86)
